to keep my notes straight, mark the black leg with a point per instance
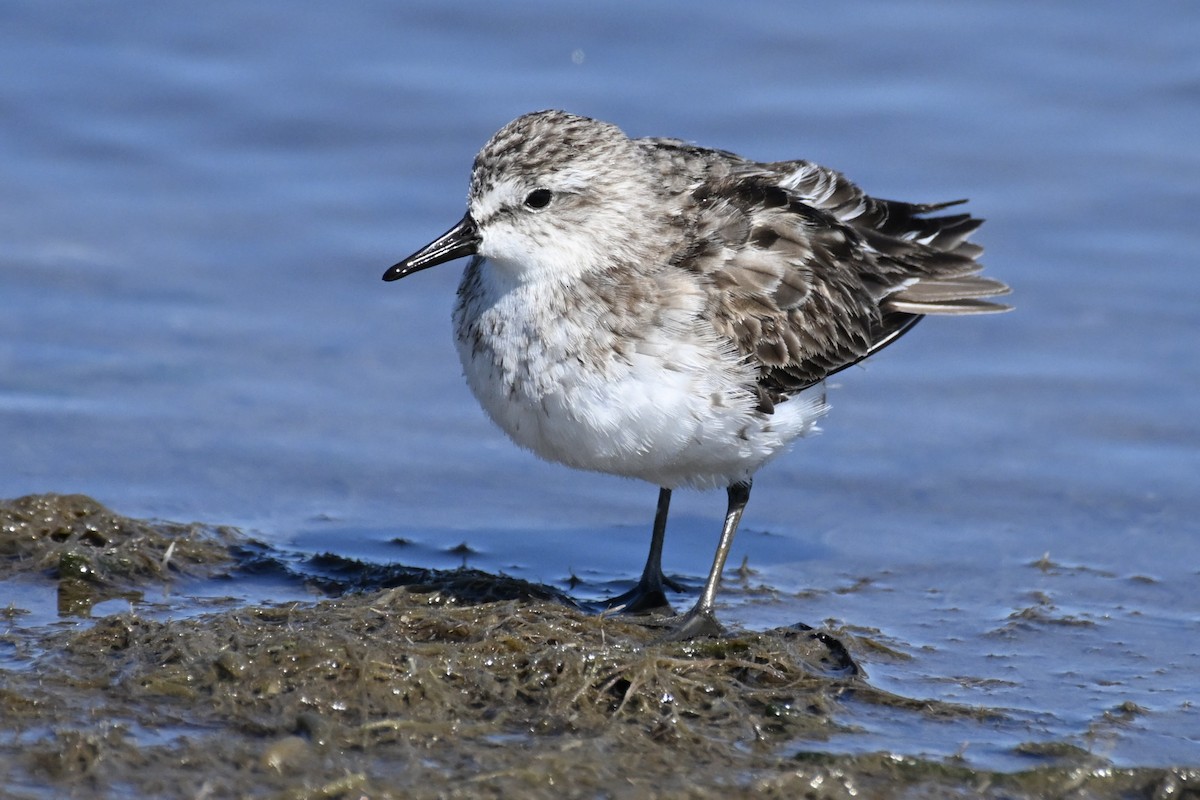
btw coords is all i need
(649, 594)
(702, 619)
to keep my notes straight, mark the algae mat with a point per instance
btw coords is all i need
(416, 683)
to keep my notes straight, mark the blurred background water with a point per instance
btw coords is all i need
(198, 204)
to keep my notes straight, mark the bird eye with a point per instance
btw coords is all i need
(538, 198)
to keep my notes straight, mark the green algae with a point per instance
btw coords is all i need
(418, 683)
(95, 555)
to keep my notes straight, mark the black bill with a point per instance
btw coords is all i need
(461, 240)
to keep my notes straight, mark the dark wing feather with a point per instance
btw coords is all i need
(809, 275)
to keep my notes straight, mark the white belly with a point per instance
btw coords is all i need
(670, 406)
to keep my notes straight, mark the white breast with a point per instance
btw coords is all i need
(670, 405)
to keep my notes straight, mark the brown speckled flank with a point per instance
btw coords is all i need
(657, 310)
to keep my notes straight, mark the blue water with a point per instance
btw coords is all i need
(198, 206)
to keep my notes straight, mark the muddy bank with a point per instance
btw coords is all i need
(417, 683)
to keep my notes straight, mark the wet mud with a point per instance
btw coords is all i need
(400, 682)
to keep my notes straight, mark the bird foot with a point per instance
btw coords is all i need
(695, 624)
(639, 600)
(647, 597)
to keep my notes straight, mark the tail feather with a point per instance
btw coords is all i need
(955, 294)
(960, 307)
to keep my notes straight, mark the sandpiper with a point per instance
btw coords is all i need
(658, 310)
